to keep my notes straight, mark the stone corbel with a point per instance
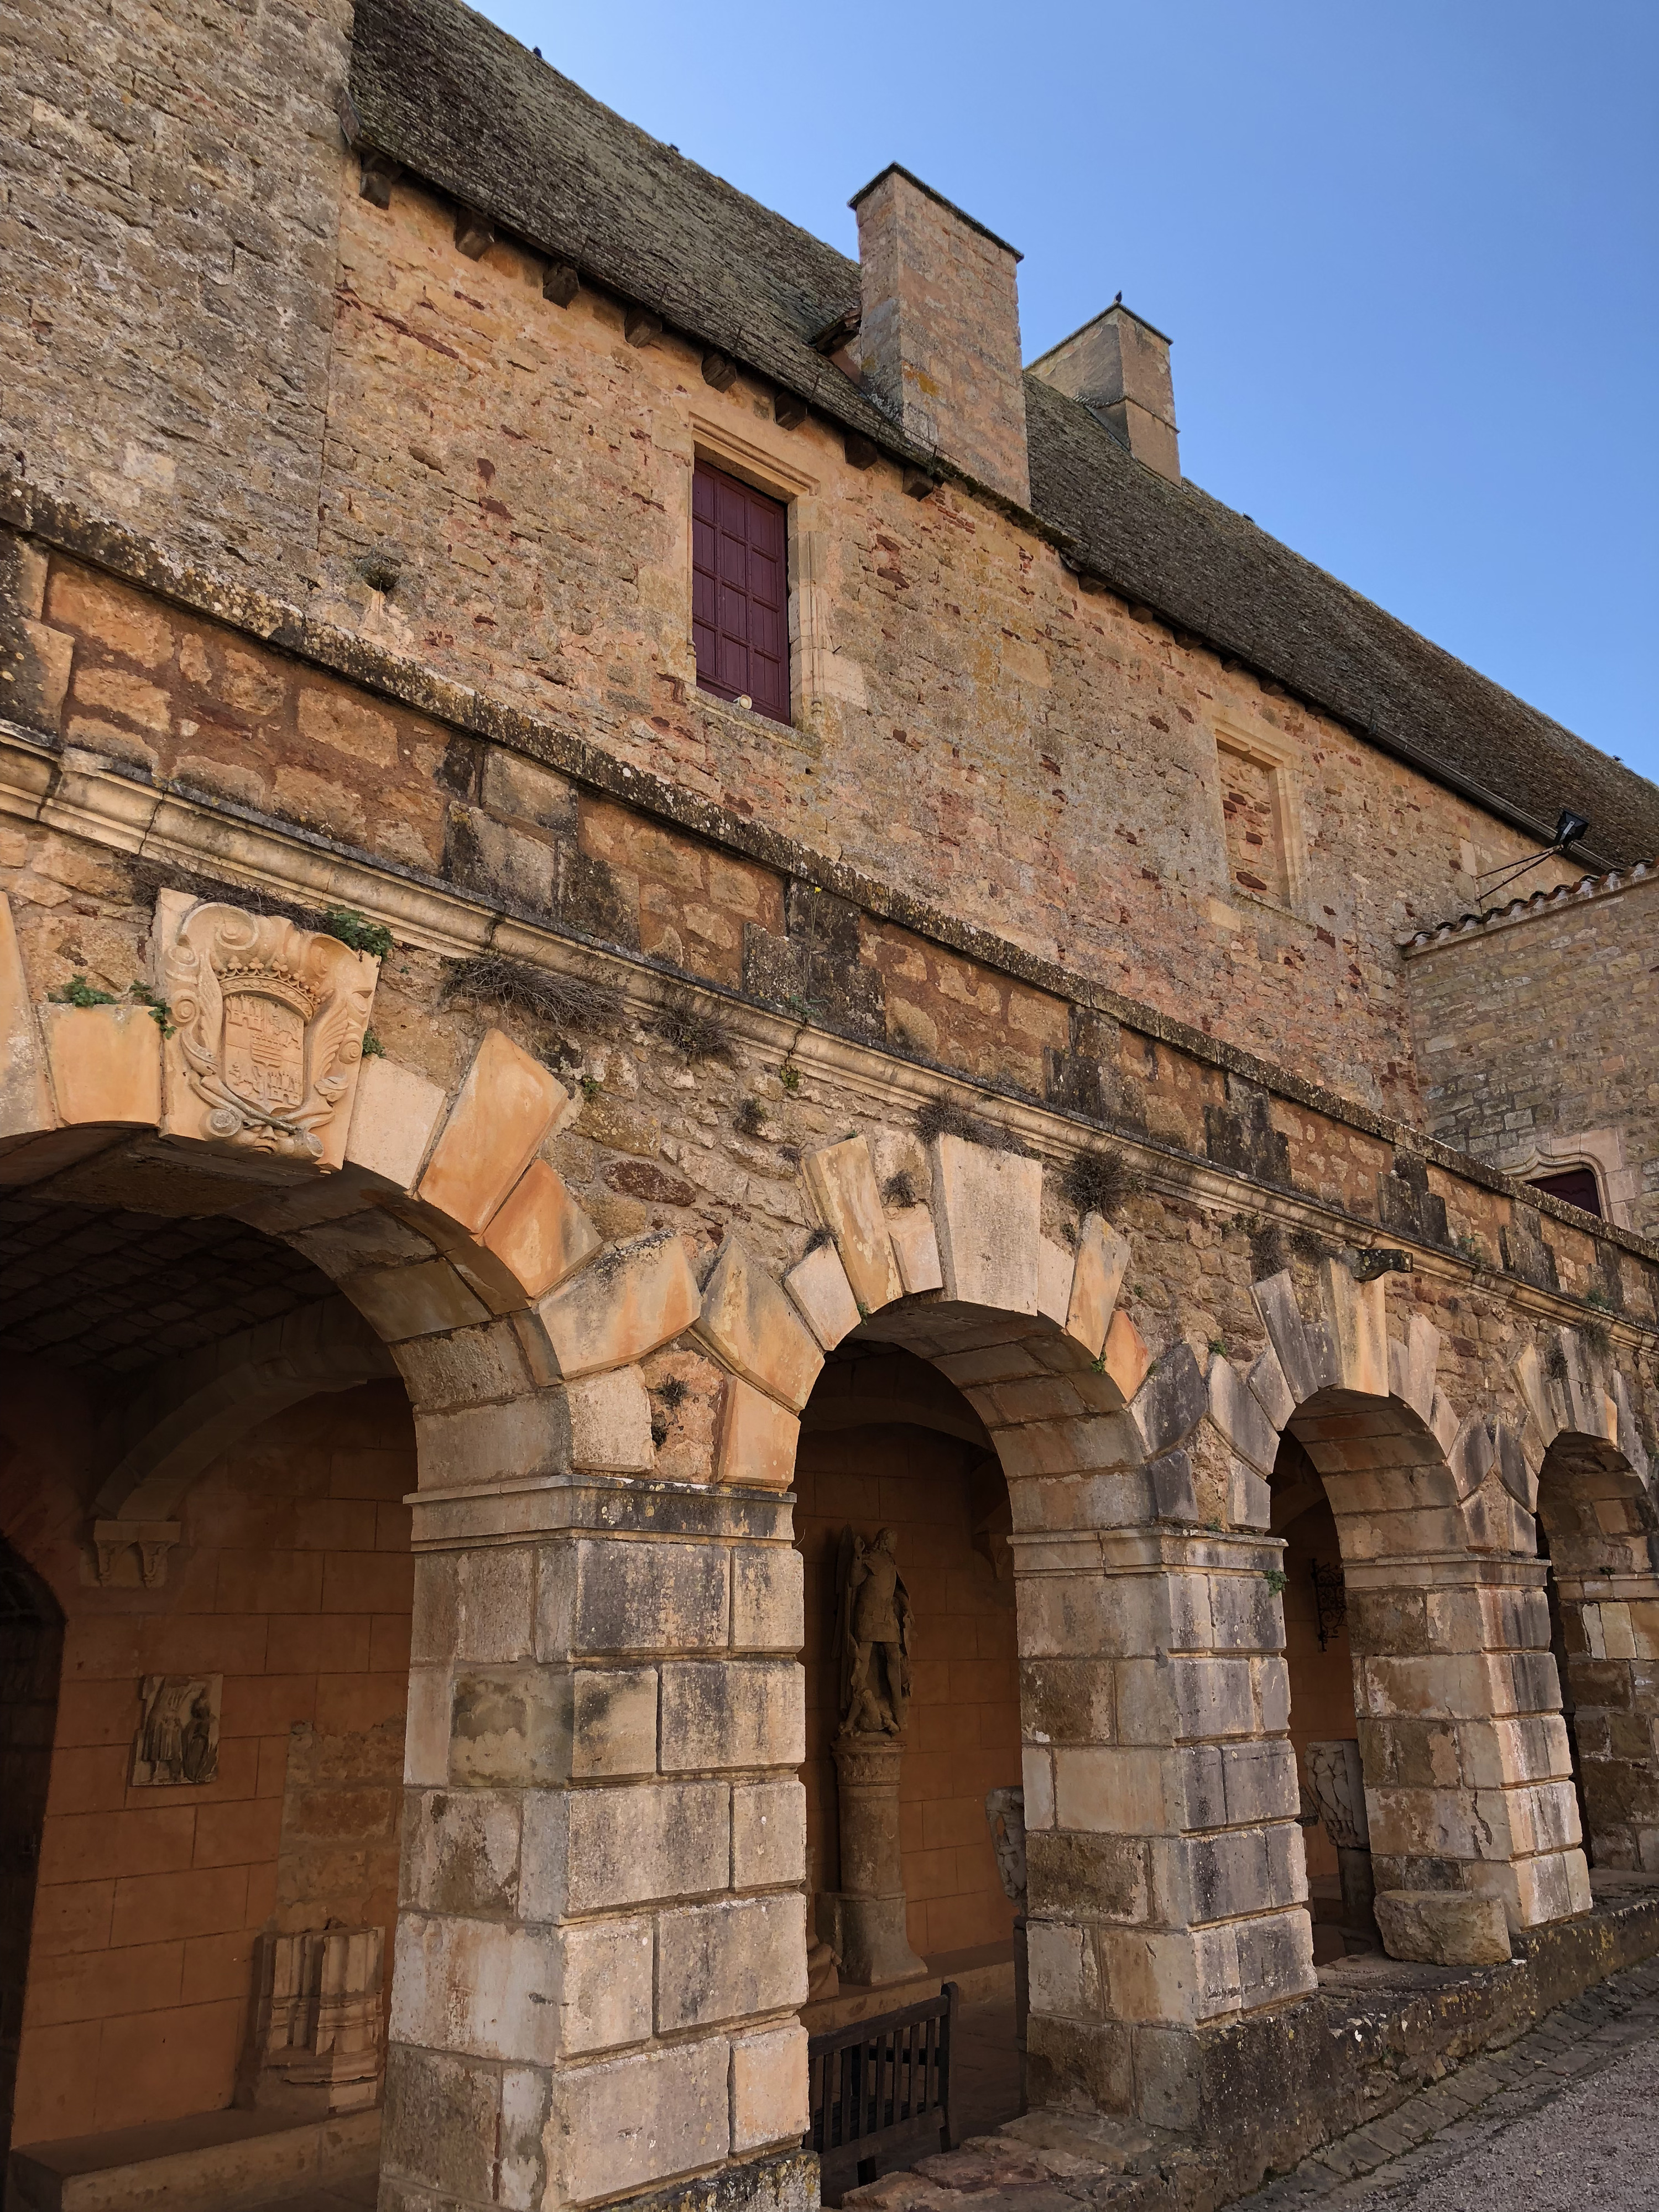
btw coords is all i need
(151, 1540)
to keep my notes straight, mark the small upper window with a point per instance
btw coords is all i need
(1252, 806)
(1577, 1185)
(740, 593)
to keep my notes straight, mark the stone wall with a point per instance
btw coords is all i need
(169, 183)
(1536, 1035)
(291, 1581)
(968, 722)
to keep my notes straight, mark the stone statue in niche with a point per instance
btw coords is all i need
(177, 1739)
(872, 1620)
(267, 1023)
(873, 1627)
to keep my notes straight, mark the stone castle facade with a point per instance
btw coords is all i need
(659, 913)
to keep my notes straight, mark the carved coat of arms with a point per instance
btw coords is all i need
(269, 1022)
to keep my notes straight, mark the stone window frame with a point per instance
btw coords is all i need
(1282, 762)
(800, 493)
(1600, 1151)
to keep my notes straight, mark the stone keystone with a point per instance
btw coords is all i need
(623, 1305)
(499, 1118)
(988, 1207)
(842, 1180)
(1357, 1319)
(1102, 1257)
(749, 1324)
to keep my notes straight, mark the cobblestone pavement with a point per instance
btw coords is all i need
(1567, 2118)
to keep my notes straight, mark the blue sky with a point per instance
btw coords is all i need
(1408, 254)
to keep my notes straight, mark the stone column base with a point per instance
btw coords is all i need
(871, 1939)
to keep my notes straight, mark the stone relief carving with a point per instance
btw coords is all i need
(178, 1738)
(268, 1023)
(872, 1636)
(315, 2046)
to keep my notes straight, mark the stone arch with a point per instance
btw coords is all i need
(1598, 1523)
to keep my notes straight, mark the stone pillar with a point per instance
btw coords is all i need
(869, 1907)
(1337, 1778)
(601, 1936)
(1468, 1771)
(1167, 1884)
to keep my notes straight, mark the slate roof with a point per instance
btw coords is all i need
(464, 106)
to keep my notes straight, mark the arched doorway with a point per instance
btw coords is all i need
(889, 1444)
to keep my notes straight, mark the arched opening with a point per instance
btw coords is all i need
(206, 1459)
(1324, 1725)
(30, 1658)
(1598, 1531)
(888, 1444)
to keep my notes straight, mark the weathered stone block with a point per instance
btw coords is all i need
(1281, 1316)
(393, 1117)
(604, 1992)
(747, 1712)
(987, 1211)
(1445, 1927)
(729, 1960)
(819, 1286)
(598, 1851)
(105, 1063)
(425, 1299)
(623, 1305)
(500, 1116)
(1238, 1415)
(601, 1596)
(477, 1987)
(1054, 1269)
(1357, 1318)
(842, 1180)
(471, 1445)
(915, 1249)
(767, 1598)
(768, 2089)
(758, 1439)
(747, 1321)
(1171, 1402)
(769, 1833)
(618, 2126)
(540, 1233)
(614, 1730)
(1270, 1389)
(610, 1423)
(1126, 1356)
(460, 1852)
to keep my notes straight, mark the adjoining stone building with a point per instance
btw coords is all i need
(659, 914)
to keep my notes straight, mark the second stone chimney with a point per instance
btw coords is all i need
(1119, 366)
(939, 331)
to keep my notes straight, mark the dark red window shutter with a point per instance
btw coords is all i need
(1577, 1185)
(740, 592)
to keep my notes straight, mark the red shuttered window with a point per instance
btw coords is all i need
(740, 592)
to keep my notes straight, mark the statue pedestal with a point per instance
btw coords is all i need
(869, 1907)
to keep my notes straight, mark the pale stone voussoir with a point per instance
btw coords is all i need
(1238, 1415)
(610, 1423)
(502, 1112)
(1102, 1258)
(1055, 1268)
(394, 1117)
(1355, 1316)
(819, 1286)
(841, 1179)
(623, 1305)
(25, 1099)
(758, 1439)
(750, 1326)
(106, 1064)
(915, 1247)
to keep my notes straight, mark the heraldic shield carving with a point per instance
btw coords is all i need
(269, 1022)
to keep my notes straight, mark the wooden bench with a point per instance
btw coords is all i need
(881, 2086)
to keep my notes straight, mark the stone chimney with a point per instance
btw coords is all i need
(1119, 366)
(938, 331)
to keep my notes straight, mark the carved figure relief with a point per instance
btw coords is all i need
(872, 1636)
(269, 1022)
(178, 1738)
